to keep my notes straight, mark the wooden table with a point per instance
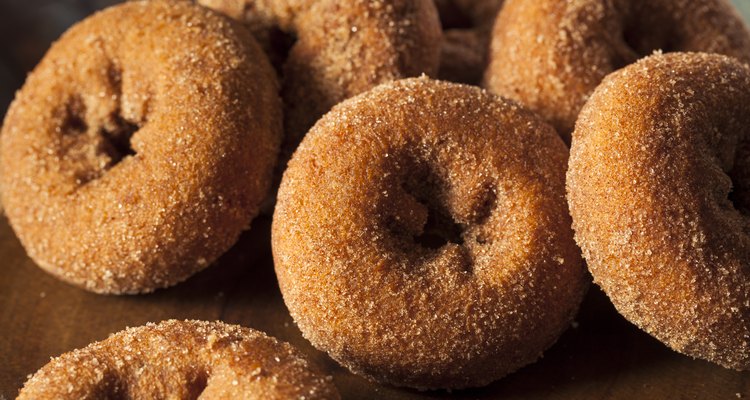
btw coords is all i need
(602, 357)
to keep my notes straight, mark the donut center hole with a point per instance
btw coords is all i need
(112, 387)
(115, 386)
(115, 143)
(74, 122)
(739, 194)
(644, 33)
(276, 42)
(114, 394)
(92, 149)
(440, 228)
(197, 385)
(452, 17)
(281, 43)
(644, 41)
(737, 200)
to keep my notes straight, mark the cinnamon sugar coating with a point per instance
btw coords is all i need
(659, 191)
(181, 360)
(551, 54)
(467, 25)
(421, 236)
(340, 48)
(141, 146)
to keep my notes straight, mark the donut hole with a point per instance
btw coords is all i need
(281, 43)
(440, 228)
(642, 35)
(197, 384)
(76, 142)
(90, 150)
(117, 386)
(116, 131)
(91, 145)
(74, 122)
(729, 158)
(645, 40)
(113, 393)
(737, 199)
(115, 140)
(113, 386)
(452, 17)
(739, 194)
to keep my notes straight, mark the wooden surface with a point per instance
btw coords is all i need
(602, 357)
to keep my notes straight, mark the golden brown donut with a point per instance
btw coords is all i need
(659, 190)
(551, 54)
(421, 236)
(340, 49)
(181, 360)
(141, 146)
(467, 25)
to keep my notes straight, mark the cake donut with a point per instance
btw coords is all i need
(338, 48)
(421, 236)
(141, 146)
(659, 190)
(551, 54)
(181, 360)
(467, 25)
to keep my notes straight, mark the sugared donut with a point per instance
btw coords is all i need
(551, 54)
(467, 25)
(659, 190)
(421, 236)
(181, 360)
(141, 146)
(340, 48)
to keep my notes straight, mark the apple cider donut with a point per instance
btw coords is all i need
(341, 48)
(659, 190)
(141, 146)
(551, 54)
(421, 236)
(181, 360)
(467, 25)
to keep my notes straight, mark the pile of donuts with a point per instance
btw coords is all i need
(426, 233)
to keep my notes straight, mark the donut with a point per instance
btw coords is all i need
(181, 360)
(272, 31)
(550, 55)
(659, 189)
(421, 236)
(141, 146)
(467, 25)
(340, 48)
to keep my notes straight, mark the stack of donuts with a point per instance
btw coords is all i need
(445, 169)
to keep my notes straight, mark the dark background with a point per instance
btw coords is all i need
(27, 27)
